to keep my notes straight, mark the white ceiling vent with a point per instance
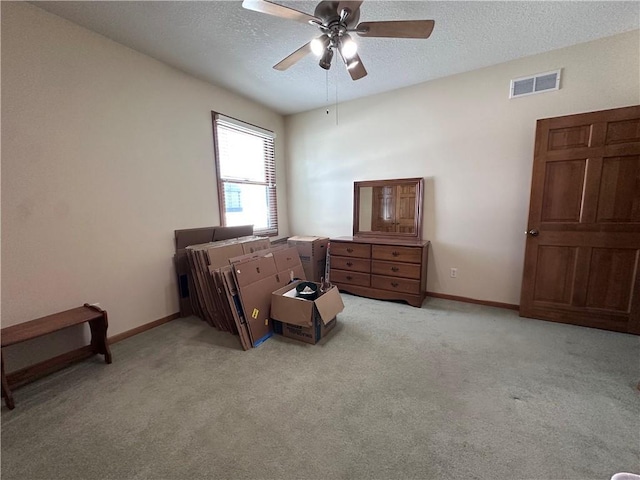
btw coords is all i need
(538, 83)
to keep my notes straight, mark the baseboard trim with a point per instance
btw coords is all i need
(488, 303)
(142, 328)
(37, 370)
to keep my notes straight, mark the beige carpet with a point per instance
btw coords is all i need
(450, 390)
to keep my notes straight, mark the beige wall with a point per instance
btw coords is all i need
(472, 144)
(105, 152)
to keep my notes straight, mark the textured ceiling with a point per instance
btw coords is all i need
(224, 44)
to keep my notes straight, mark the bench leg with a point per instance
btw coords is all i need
(6, 392)
(99, 337)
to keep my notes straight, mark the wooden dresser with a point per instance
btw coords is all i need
(382, 268)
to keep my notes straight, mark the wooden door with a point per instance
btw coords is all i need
(383, 214)
(583, 236)
(405, 216)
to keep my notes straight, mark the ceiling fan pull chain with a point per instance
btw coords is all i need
(336, 79)
(327, 83)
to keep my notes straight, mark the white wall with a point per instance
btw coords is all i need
(105, 152)
(472, 144)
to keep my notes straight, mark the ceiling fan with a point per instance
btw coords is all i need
(336, 20)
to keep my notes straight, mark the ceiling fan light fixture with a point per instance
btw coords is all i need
(319, 45)
(351, 63)
(325, 61)
(348, 47)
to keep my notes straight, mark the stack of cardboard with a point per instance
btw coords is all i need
(204, 260)
(230, 284)
(196, 236)
(233, 281)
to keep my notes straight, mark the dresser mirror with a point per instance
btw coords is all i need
(388, 208)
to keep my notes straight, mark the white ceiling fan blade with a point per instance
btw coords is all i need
(396, 29)
(296, 56)
(270, 8)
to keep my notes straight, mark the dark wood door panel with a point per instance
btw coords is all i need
(563, 187)
(611, 278)
(569, 137)
(406, 209)
(620, 190)
(623, 131)
(555, 268)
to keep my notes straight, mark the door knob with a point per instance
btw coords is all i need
(533, 232)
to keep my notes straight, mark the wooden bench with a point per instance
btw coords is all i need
(95, 316)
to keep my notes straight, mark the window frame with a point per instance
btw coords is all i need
(269, 165)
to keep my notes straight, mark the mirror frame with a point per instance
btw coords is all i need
(417, 221)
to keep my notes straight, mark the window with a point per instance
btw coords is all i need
(245, 165)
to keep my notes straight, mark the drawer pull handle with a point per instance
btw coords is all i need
(394, 284)
(349, 264)
(395, 254)
(350, 250)
(349, 277)
(394, 269)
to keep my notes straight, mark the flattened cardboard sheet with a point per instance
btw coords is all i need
(225, 233)
(256, 302)
(234, 306)
(219, 255)
(252, 246)
(255, 269)
(286, 259)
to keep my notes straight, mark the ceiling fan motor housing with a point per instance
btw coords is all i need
(328, 12)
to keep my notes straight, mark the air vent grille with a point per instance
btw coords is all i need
(538, 83)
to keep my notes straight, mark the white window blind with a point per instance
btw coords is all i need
(245, 164)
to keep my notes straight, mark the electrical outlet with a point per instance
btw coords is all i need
(454, 273)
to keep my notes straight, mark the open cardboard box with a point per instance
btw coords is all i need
(305, 320)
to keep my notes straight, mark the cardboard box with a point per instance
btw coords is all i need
(305, 320)
(309, 247)
(313, 255)
(314, 270)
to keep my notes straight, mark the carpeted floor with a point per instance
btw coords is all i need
(448, 391)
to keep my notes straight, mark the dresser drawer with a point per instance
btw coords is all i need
(350, 263)
(395, 269)
(396, 254)
(358, 250)
(352, 278)
(395, 284)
